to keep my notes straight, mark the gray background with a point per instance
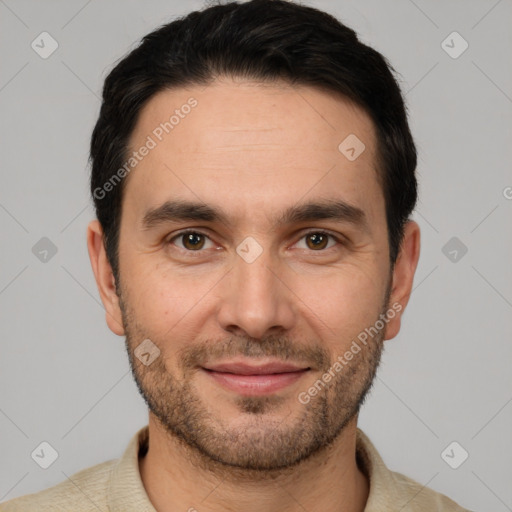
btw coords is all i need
(64, 377)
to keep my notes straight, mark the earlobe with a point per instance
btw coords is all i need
(403, 275)
(105, 280)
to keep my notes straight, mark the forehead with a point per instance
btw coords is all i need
(241, 142)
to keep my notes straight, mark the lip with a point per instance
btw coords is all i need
(253, 380)
(241, 368)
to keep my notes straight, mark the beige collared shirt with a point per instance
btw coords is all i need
(116, 486)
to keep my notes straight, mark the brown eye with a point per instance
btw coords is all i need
(316, 241)
(191, 241)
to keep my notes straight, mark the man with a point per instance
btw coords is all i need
(253, 174)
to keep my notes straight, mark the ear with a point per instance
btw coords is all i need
(104, 277)
(403, 276)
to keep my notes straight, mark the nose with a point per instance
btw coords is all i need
(256, 301)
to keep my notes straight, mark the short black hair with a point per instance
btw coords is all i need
(262, 40)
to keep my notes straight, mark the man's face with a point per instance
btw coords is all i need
(271, 280)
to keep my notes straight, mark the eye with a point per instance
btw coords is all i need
(191, 241)
(318, 241)
(195, 241)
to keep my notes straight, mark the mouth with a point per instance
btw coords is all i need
(253, 380)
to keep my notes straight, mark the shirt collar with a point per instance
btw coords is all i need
(384, 493)
(126, 490)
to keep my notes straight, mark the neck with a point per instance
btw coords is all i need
(177, 477)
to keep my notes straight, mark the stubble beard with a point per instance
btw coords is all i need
(277, 432)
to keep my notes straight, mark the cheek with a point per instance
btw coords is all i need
(169, 306)
(339, 305)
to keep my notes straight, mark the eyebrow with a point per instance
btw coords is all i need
(327, 209)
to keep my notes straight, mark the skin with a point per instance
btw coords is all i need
(253, 150)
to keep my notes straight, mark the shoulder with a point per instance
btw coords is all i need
(391, 490)
(83, 491)
(417, 497)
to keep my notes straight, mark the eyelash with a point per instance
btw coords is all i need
(337, 239)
